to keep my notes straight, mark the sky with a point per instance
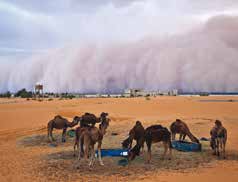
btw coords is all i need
(35, 32)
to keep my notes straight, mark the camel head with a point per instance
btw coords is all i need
(126, 143)
(138, 123)
(218, 123)
(103, 115)
(76, 119)
(104, 124)
(135, 151)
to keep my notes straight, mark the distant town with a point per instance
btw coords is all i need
(39, 93)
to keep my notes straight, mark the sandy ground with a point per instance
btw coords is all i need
(21, 120)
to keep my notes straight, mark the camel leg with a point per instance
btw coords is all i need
(48, 133)
(81, 148)
(142, 149)
(180, 136)
(64, 135)
(224, 149)
(165, 149)
(173, 136)
(92, 156)
(149, 151)
(86, 152)
(51, 134)
(99, 153)
(76, 145)
(170, 151)
(79, 151)
(184, 136)
(217, 147)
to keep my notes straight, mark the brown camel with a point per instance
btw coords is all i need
(60, 123)
(86, 121)
(136, 133)
(89, 119)
(153, 134)
(218, 139)
(90, 136)
(158, 133)
(181, 127)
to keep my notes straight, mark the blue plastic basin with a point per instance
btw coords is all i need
(186, 146)
(113, 153)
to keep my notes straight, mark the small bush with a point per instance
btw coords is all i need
(23, 93)
(6, 95)
(147, 98)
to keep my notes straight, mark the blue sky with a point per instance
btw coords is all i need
(40, 40)
(28, 26)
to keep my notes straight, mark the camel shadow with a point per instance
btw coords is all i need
(42, 140)
(61, 155)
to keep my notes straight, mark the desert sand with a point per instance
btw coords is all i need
(25, 154)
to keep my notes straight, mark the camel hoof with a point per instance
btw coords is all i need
(147, 162)
(101, 163)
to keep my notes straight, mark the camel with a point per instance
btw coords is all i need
(218, 139)
(181, 127)
(136, 133)
(90, 136)
(89, 119)
(158, 133)
(153, 134)
(60, 123)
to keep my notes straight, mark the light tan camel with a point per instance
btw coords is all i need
(218, 139)
(181, 127)
(87, 120)
(60, 123)
(90, 136)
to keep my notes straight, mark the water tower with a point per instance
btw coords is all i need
(39, 90)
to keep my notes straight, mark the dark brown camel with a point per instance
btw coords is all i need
(60, 123)
(86, 121)
(90, 136)
(218, 139)
(136, 133)
(89, 119)
(181, 128)
(153, 134)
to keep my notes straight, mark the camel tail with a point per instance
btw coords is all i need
(170, 139)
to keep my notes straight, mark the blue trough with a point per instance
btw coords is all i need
(186, 146)
(113, 153)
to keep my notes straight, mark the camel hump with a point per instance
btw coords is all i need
(77, 118)
(87, 114)
(58, 117)
(179, 120)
